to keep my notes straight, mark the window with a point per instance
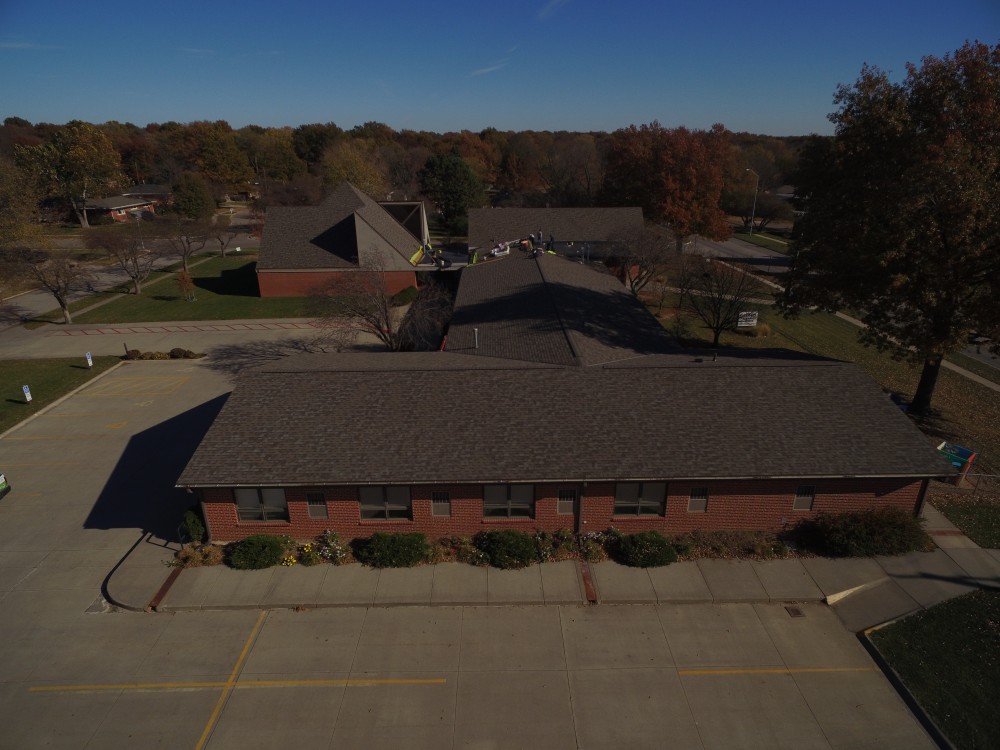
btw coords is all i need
(509, 500)
(440, 504)
(640, 498)
(804, 497)
(699, 500)
(384, 503)
(567, 503)
(317, 505)
(261, 504)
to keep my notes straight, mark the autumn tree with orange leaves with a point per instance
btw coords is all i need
(675, 175)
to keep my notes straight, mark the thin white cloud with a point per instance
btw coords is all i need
(492, 68)
(549, 8)
(24, 45)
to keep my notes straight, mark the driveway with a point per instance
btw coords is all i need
(93, 476)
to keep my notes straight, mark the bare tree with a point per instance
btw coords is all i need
(126, 250)
(224, 232)
(186, 237)
(716, 292)
(358, 301)
(644, 254)
(55, 271)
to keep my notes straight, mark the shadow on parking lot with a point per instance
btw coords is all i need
(140, 492)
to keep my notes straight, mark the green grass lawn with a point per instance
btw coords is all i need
(48, 380)
(226, 289)
(973, 365)
(978, 515)
(949, 658)
(763, 239)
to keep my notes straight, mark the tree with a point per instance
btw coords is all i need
(643, 254)
(676, 176)
(126, 249)
(450, 183)
(79, 162)
(55, 271)
(902, 222)
(223, 232)
(310, 141)
(358, 302)
(186, 236)
(192, 198)
(18, 206)
(759, 208)
(357, 161)
(716, 292)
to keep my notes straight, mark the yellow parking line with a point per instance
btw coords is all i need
(238, 686)
(772, 670)
(232, 681)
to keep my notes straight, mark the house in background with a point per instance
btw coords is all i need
(304, 247)
(139, 200)
(558, 402)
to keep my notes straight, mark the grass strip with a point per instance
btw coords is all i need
(48, 379)
(949, 658)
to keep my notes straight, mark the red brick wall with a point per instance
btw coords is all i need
(288, 284)
(765, 505)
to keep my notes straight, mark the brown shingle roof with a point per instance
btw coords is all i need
(550, 309)
(390, 418)
(490, 225)
(334, 234)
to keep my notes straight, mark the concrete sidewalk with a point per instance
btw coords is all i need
(862, 591)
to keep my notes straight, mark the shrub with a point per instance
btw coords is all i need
(392, 550)
(193, 526)
(647, 549)
(405, 297)
(132, 354)
(507, 548)
(330, 548)
(461, 549)
(760, 330)
(197, 556)
(309, 554)
(560, 545)
(592, 549)
(728, 544)
(886, 531)
(257, 551)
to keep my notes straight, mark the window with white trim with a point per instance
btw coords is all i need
(390, 503)
(440, 504)
(698, 502)
(509, 500)
(804, 497)
(261, 504)
(566, 505)
(317, 505)
(640, 498)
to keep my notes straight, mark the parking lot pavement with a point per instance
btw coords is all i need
(94, 479)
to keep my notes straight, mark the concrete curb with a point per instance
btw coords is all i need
(929, 725)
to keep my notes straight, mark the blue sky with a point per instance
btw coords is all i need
(444, 65)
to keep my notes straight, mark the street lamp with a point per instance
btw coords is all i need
(753, 213)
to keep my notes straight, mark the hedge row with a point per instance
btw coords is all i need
(859, 534)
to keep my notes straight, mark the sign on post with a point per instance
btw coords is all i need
(27, 394)
(90, 360)
(747, 320)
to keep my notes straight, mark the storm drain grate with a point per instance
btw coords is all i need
(795, 612)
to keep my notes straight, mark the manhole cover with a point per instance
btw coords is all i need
(795, 612)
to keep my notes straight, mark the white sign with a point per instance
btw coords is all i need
(747, 320)
(90, 360)
(27, 394)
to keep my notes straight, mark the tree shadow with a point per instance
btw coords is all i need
(232, 359)
(140, 491)
(235, 282)
(12, 315)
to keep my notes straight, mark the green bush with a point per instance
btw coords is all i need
(193, 526)
(560, 545)
(507, 549)
(886, 531)
(405, 296)
(647, 549)
(392, 550)
(257, 551)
